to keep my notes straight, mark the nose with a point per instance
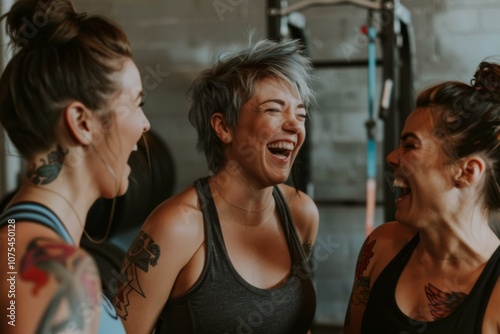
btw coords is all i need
(393, 158)
(293, 124)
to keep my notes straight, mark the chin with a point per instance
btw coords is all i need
(123, 188)
(111, 192)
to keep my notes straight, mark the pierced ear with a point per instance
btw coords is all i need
(78, 120)
(221, 129)
(471, 170)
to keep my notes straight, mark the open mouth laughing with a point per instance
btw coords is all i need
(281, 149)
(401, 188)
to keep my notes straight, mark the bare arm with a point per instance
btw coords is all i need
(53, 287)
(166, 243)
(376, 252)
(360, 290)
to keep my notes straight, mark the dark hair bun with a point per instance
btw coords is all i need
(42, 23)
(487, 78)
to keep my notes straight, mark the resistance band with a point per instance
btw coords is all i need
(371, 156)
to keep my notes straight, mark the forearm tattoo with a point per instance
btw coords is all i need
(143, 253)
(361, 288)
(77, 280)
(362, 283)
(442, 303)
(48, 170)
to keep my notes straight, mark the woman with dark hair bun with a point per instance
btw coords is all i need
(436, 269)
(70, 101)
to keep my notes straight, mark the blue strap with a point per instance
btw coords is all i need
(32, 212)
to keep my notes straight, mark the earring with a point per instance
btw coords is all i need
(226, 139)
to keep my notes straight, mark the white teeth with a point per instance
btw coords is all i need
(400, 183)
(282, 146)
(135, 148)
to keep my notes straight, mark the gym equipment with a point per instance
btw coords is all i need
(397, 62)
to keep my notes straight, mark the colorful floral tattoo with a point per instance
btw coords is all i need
(361, 288)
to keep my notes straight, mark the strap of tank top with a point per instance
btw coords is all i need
(203, 190)
(288, 223)
(34, 212)
(204, 197)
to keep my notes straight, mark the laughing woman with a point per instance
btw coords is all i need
(229, 254)
(70, 101)
(437, 269)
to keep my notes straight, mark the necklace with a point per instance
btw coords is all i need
(80, 222)
(236, 205)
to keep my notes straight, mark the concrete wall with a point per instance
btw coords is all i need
(174, 40)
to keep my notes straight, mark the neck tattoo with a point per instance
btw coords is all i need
(49, 169)
(238, 206)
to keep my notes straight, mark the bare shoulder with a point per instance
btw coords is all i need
(393, 232)
(178, 217)
(386, 241)
(51, 286)
(299, 202)
(304, 213)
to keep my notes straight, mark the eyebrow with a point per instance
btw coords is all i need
(407, 135)
(281, 102)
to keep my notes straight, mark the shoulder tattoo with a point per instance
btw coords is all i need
(78, 282)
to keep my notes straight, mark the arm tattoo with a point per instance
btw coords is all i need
(50, 169)
(362, 283)
(142, 253)
(361, 288)
(78, 283)
(442, 303)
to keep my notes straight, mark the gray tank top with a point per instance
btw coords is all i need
(223, 302)
(109, 322)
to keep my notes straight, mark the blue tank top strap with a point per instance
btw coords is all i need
(35, 212)
(109, 321)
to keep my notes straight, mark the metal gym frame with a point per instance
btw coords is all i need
(397, 62)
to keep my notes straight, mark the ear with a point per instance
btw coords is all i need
(470, 171)
(221, 129)
(79, 120)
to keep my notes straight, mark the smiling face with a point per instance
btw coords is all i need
(128, 123)
(269, 133)
(421, 170)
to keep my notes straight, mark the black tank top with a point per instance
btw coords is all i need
(382, 314)
(223, 302)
